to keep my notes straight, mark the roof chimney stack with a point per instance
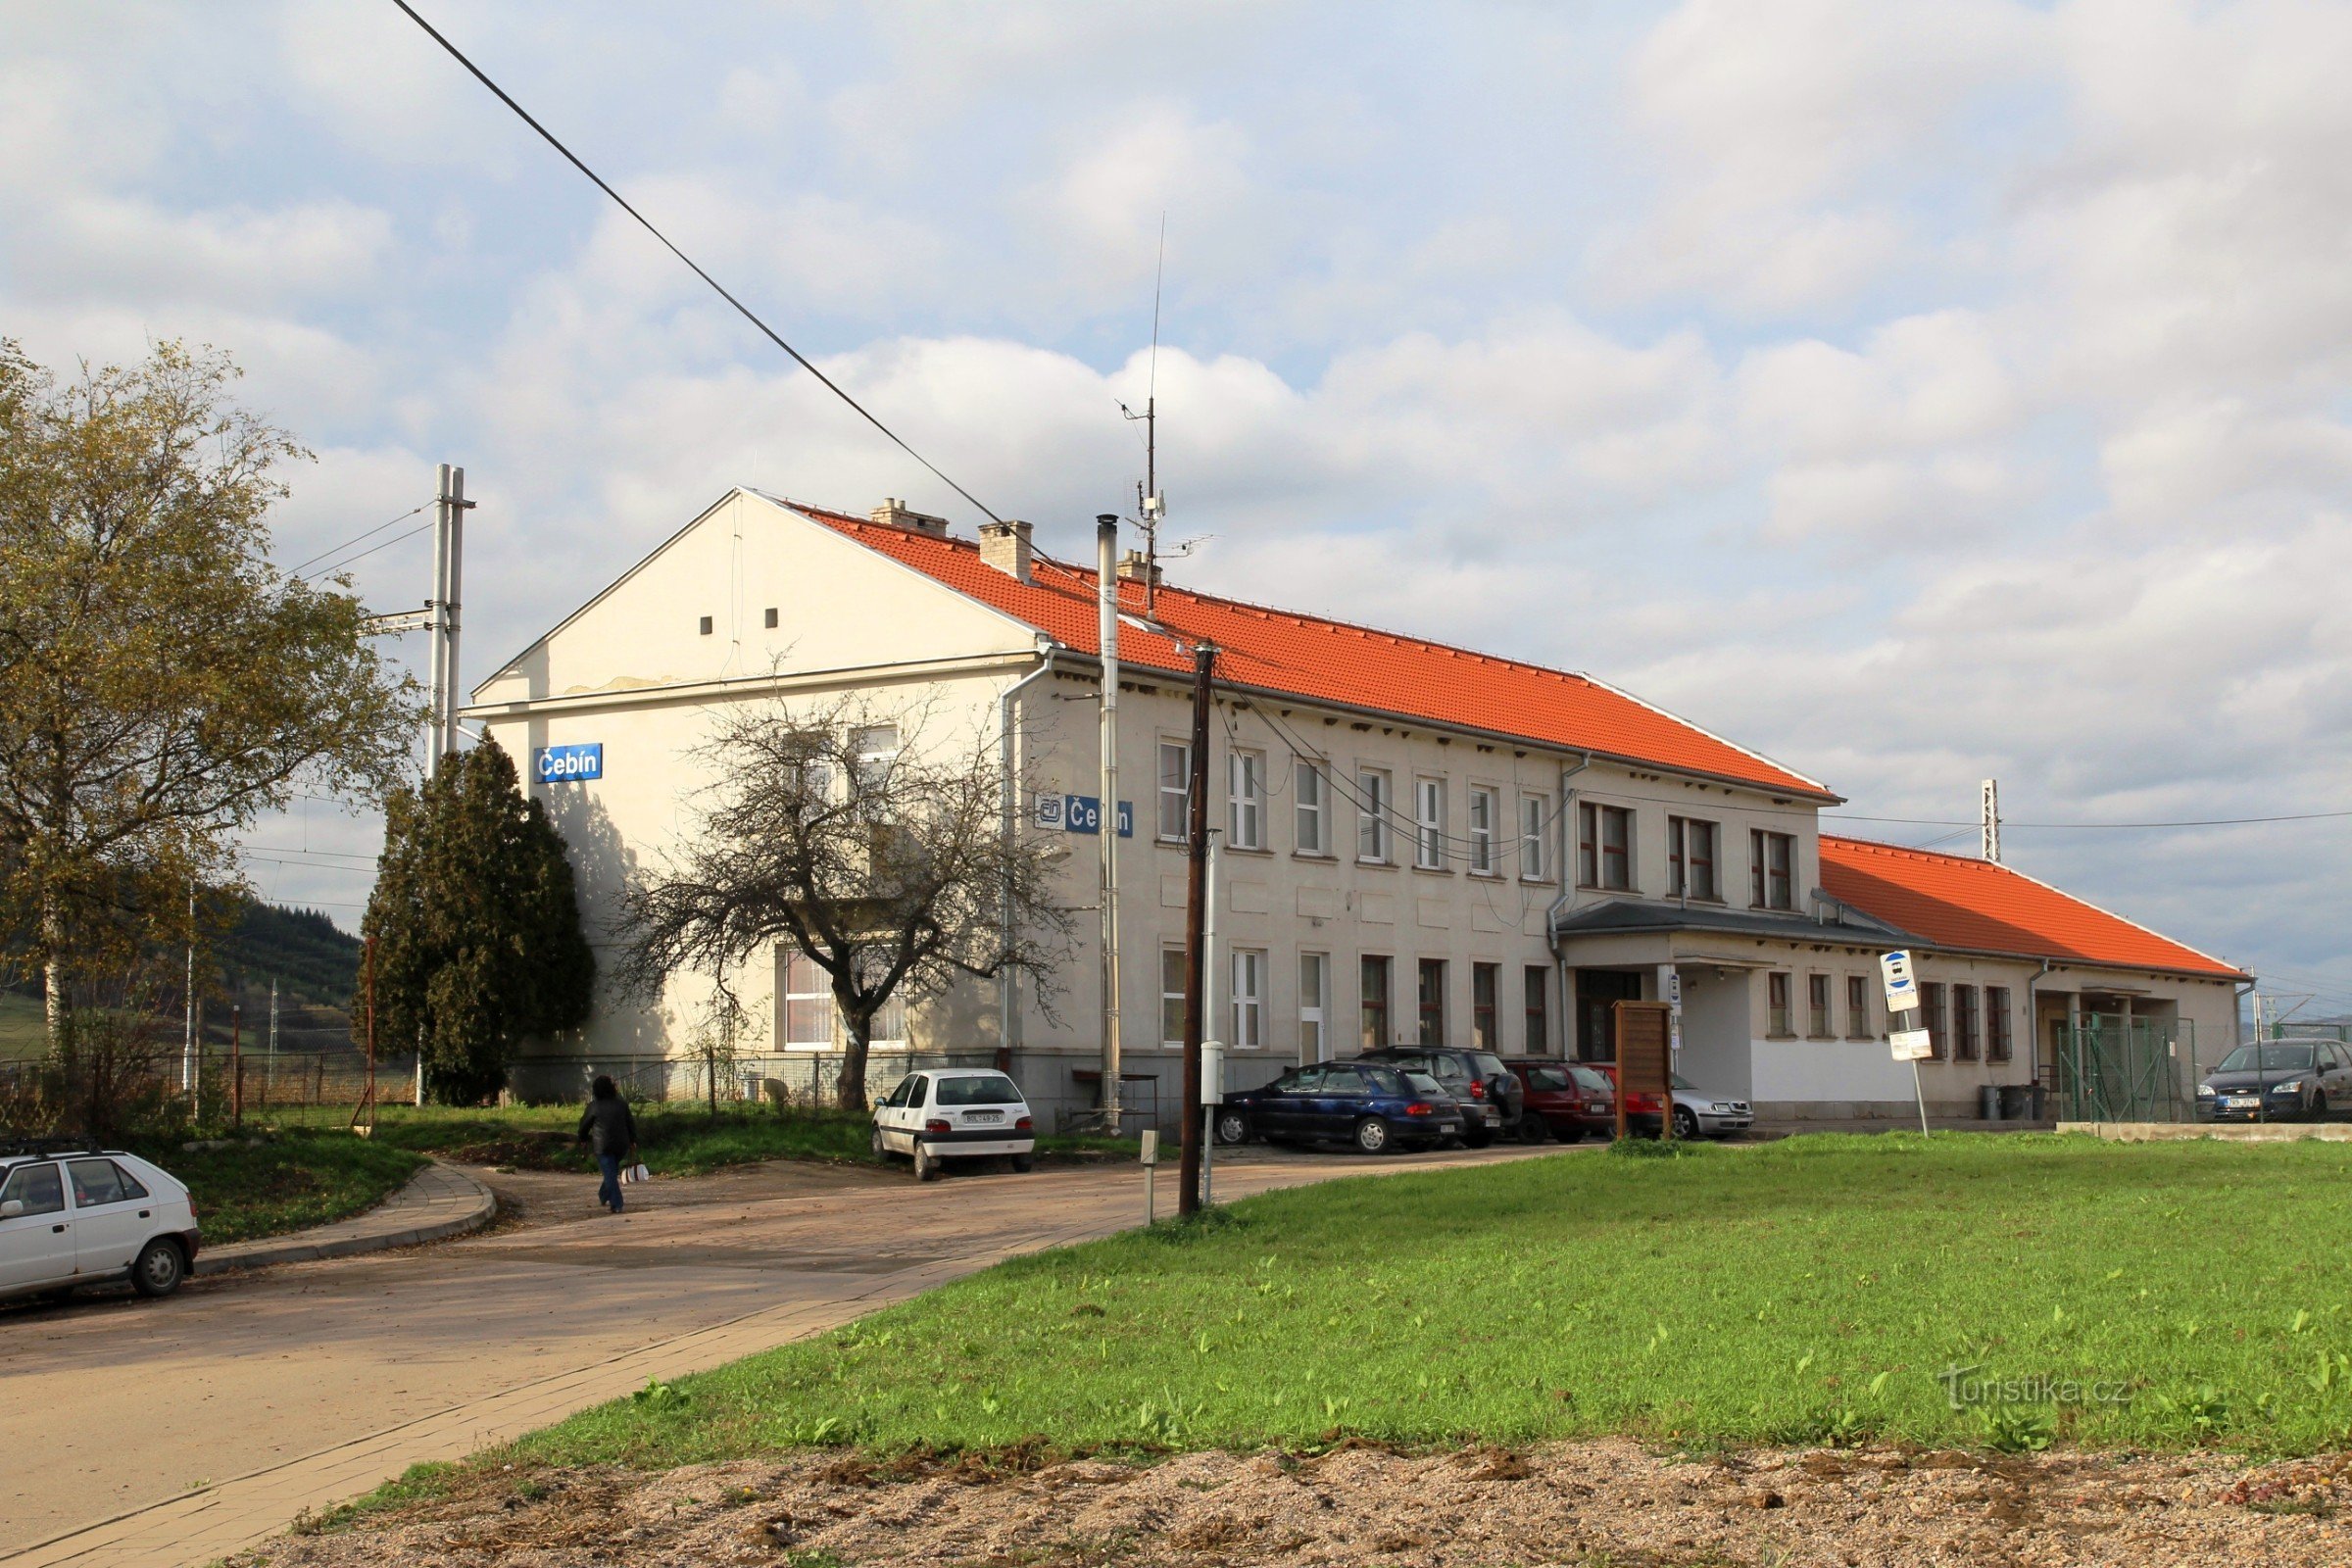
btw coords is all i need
(1134, 567)
(1006, 546)
(893, 513)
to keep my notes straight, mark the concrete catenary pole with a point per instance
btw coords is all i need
(1106, 566)
(1988, 812)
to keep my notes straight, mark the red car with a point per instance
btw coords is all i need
(1644, 1113)
(1564, 1099)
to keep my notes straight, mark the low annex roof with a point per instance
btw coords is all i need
(1961, 902)
(1311, 658)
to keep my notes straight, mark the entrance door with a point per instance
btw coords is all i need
(1597, 990)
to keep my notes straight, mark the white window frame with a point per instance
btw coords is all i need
(1484, 802)
(1534, 813)
(1248, 1000)
(1176, 972)
(1314, 1007)
(1429, 824)
(1313, 795)
(1373, 830)
(874, 748)
(1246, 785)
(792, 958)
(1177, 798)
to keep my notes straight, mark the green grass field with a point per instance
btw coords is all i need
(23, 1032)
(1801, 1292)
(284, 1183)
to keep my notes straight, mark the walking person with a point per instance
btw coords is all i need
(610, 1134)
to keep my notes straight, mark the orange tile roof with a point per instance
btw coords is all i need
(1308, 657)
(1960, 903)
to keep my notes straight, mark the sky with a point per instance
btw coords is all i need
(1916, 394)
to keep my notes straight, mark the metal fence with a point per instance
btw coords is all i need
(800, 1078)
(2144, 1070)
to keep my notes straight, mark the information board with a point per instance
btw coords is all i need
(1643, 1034)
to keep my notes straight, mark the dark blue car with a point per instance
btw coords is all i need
(1375, 1108)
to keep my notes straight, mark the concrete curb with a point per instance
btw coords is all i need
(480, 1207)
(2182, 1132)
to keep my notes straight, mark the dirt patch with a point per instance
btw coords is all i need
(1610, 1502)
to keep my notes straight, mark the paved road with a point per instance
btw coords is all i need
(203, 1423)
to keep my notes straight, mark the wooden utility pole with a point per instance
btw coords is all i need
(367, 1105)
(1195, 921)
(236, 1066)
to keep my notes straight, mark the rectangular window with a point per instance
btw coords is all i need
(1817, 1006)
(890, 1022)
(1483, 807)
(807, 992)
(1429, 824)
(1996, 1023)
(1964, 1023)
(1486, 979)
(1772, 858)
(1538, 1010)
(1246, 780)
(1691, 859)
(1778, 1021)
(1857, 1007)
(1535, 817)
(1433, 1002)
(1175, 791)
(872, 750)
(1373, 978)
(1604, 846)
(1171, 996)
(1248, 1000)
(1314, 809)
(1315, 971)
(1934, 1019)
(1372, 825)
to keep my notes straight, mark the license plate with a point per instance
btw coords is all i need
(983, 1116)
(2242, 1102)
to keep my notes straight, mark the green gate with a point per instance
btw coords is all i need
(2145, 1070)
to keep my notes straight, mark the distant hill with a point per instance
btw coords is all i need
(301, 948)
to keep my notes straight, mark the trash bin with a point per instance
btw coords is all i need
(1988, 1101)
(2017, 1102)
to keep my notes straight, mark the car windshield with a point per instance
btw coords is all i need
(1546, 1078)
(979, 1089)
(1590, 1080)
(1681, 1082)
(2276, 1056)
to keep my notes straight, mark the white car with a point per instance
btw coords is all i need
(71, 1217)
(955, 1113)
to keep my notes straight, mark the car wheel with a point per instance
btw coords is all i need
(1573, 1132)
(1022, 1164)
(1372, 1136)
(1686, 1123)
(1533, 1129)
(159, 1269)
(1232, 1127)
(1477, 1137)
(881, 1148)
(926, 1163)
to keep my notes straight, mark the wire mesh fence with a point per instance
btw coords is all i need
(2139, 1069)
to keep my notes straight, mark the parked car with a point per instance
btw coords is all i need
(2277, 1080)
(1490, 1096)
(1374, 1106)
(955, 1113)
(1563, 1100)
(1696, 1113)
(71, 1217)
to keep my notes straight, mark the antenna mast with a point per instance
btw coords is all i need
(1150, 505)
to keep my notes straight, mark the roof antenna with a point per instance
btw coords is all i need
(1150, 505)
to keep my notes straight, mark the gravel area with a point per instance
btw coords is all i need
(1611, 1504)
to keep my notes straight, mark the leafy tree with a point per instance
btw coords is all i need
(835, 830)
(161, 684)
(476, 925)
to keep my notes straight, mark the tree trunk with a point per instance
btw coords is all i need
(53, 972)
(858, 1026)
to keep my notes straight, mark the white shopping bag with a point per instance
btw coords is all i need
(636, 1173)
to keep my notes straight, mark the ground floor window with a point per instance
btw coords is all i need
(1857, 1007)
(1373, 977)
(1817, 1006)
(1249, 998)
(808, 994)
(1934, 1019)
(1433, 1002)
(1313, 985)
(1996, 1023)
(1171, 996)
(1964, 1023)
(1538, 1015)
(1779, 1021)
(1485, 980)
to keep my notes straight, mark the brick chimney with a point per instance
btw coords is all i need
(1134, 567)
(1006, 546)
(893, 513)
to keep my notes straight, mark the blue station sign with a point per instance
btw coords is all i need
(1082, 814)
(569, 764)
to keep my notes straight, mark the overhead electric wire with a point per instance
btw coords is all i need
(387, 545)
(646, 224)
(2215, 821)
(336, 550)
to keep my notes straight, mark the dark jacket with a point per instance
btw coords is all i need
(607, 1128)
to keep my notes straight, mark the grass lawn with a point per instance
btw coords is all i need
(283, 1183)
(1800, 1292)
(23, 1028)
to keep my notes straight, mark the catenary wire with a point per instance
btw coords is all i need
(336, 550)
(2214, 821)
(646, 224)
(387, 545)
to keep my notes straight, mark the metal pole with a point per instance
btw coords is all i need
(438, 677)
(453, 593)
(236, 1066)
(187, 1051)
(1921, 1095)
(269, 1070)
(1107, 607)
(1196, 922)
(1209, 970)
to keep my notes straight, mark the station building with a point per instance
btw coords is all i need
(1420, 843)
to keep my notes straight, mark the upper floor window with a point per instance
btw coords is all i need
(1313, 796)
(1691, 859)
(1429, 824)
(1247, 830)
(1483, 807)
(1772, 861)
(1604, 846)
(872, 748)
(1535, 816)
(1175, 790)
(1372, 798)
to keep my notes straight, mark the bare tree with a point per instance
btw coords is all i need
(835, 829)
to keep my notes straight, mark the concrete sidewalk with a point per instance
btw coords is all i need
(438, 1203)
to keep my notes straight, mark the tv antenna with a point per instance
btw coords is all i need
(1150, 505)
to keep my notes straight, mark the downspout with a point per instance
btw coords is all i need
(1561, 904)
(1008, 1021)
